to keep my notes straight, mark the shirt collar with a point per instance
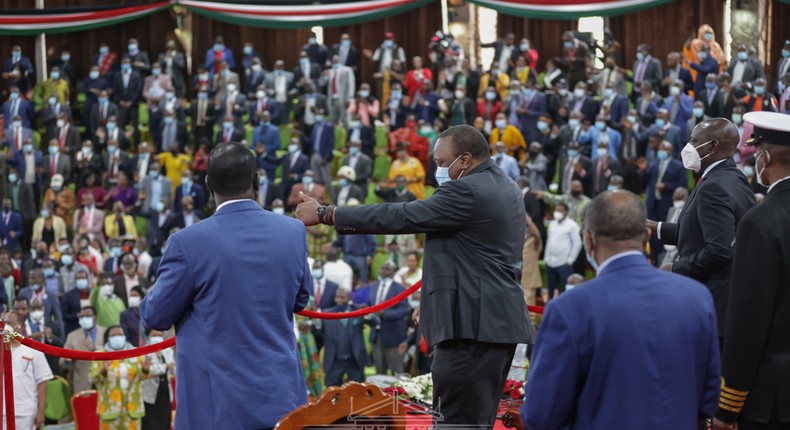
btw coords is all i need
(777, 182)
(616, 257)
(712, 166)
(230, 202)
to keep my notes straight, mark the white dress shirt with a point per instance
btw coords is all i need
(563, 243)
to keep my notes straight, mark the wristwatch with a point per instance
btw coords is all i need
(321, 211)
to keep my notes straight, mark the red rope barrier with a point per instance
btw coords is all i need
(364, 311)
(137, 352)
(97, 356)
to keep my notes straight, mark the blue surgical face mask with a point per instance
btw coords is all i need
(55, 75)
(65, 57)
(53, 150)
(82, 284)
(608, 92)
(116, 251)
(312, 41)
(572, 153)
(126, 67)
(307, 180)
(500, 123)
(317, 273)
(117, 342)
(104, 50)
(660, 122)
(343, 182)
(49, 271)
(786, 53)
(568, 44)
(443, 173)
(542, 126)
(748, 171)
(490, 95)
(346, 43)
(759, 90)
(27, 147)
(743, 55)
(708, 36)
(662, 154)
(66, 259)
(640, 56)
(227, 124)
(600, 125)
(14, 95)
(111, 149)
(293, 147)
(353, 150)
(631, 119)
(219, 47)
(573, 123)
(590, 258)
(613, 188)
(248, 50)
(102, 100)
(168, 119)
(396, 94)
(319, 118)
(12, 178)
(736, 118)
(132, 47)
(156, 72)
(698, 112)
(94, 74)
(710, 85)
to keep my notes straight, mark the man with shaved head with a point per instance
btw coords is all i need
(705, 231)
(601, 359)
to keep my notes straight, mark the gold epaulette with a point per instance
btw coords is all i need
(731, 400)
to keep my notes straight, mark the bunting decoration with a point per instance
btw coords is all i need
(568, 9)
(303, 15)
(30, 22)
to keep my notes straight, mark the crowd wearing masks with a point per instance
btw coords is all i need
(99, 169)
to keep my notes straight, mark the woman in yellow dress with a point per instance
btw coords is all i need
(120, 405)
(411, 169)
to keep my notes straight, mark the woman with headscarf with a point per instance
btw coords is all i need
(705, 36)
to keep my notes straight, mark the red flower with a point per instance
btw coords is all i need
(395, 391)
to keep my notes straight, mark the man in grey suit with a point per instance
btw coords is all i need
(361, 163)
(155, 188)
(340, 88)
(173, 64)
(474, 307)
(646, 69)
(279, 84)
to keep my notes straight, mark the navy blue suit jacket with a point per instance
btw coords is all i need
(328, 295)
(327, 143)
(14, 224)
(333, 330)
(618, 109)
(392, 330)
(71, 308)
(237, 308)
(198, 194)
(675, 176)
(26, 113)
(529, 121)
(603, 358)
(18, 161)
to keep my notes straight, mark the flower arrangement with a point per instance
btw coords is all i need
(418, 389)
(514, 390)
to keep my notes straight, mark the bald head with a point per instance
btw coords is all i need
(616, 216)
(722, 135)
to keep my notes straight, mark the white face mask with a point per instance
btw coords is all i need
(678, 204)
(106, 290)
(37, 315)
(760, 172)
(86, 323)
(579, 93)
(117, 342)
(443, 173)
(558, 216)
(691, 158)
(279, 211)
(155, 339)
(134, 301)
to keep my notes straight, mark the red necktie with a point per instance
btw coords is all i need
(17, 139)
(62, 136)
(317, 293)
(53, 163)
(334, 84)
(104, 114)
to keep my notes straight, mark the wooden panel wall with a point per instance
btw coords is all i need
(665, 28)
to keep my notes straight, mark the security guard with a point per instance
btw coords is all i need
(755, 382)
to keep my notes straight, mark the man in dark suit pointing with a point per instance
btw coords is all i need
(472, 306)
(705, 231)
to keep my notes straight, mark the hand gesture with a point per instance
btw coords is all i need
(402, 348)
(415, 317)
(306, 211)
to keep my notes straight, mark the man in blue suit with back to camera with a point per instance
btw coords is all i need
(635, 348)
(232, 304)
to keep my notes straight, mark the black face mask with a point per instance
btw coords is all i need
(576, 193)
(41, 254)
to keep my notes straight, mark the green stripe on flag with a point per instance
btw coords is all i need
(536, 12)
(282, 22)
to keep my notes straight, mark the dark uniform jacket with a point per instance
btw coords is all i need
(756, 357)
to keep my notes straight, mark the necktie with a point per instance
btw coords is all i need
(381, 292)
(18, 139)
(121, 227)
(62, 139)
(318, 293)
(15, 110)
(53, 163)
(228, 132)
(103, 113)
(334, 82)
